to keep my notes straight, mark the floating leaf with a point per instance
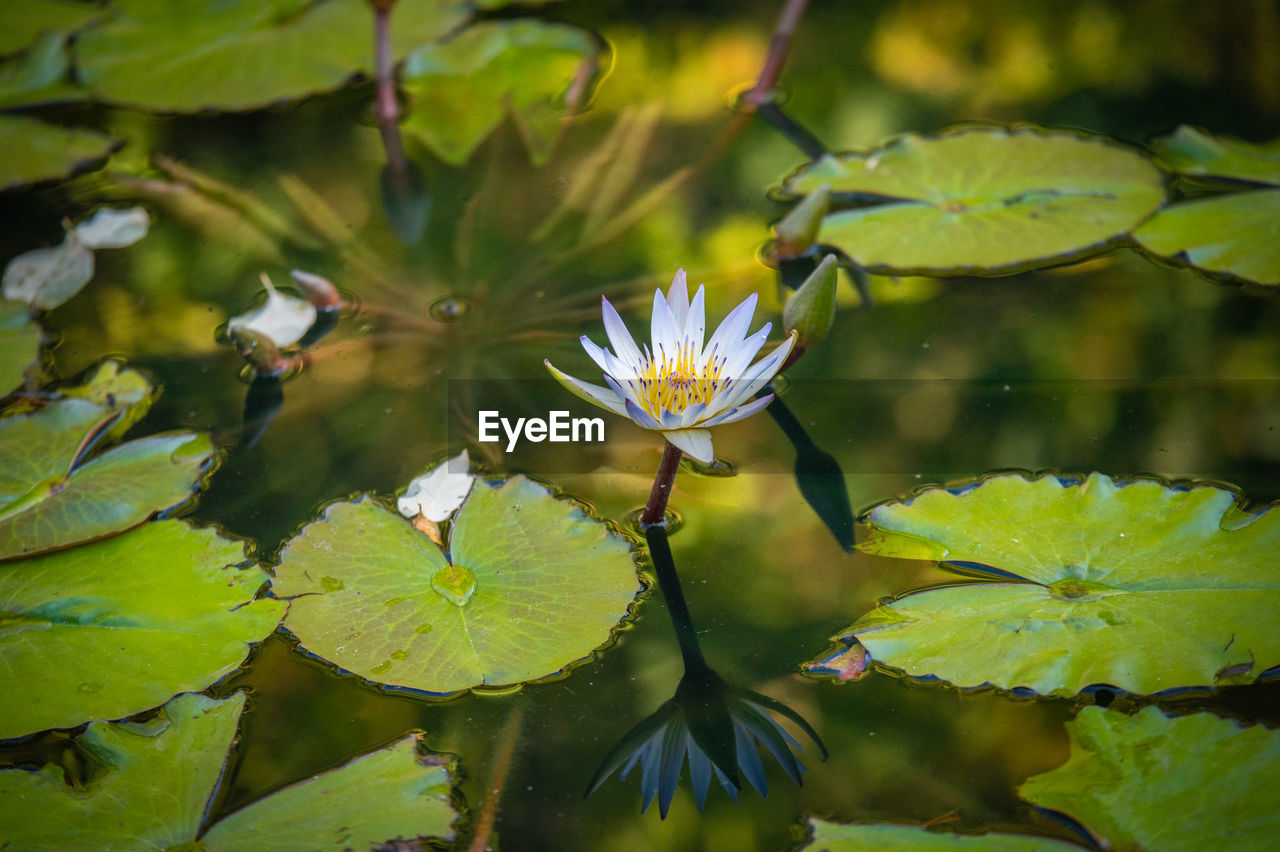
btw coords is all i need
(534, 586)
(45, 278)
(117, 389)
(112, 227)
(155, 781)
(243, 54)
(1151, 782)
(114, 627)
(1236, 234)
(32, 151)
(25, 21)
(462, 88)
(983, 201)
(388, 794)
(51, 497)
(833, 837)
(19, 344)
(1137, 585)
(1191, 152)
(150, 791)
(40, 75)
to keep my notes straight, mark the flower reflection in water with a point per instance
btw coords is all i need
(717, 725)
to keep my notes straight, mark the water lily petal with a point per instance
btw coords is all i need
(678, 299)
(693, 415)
(597, 354)
(623, 344)
(696, 443)
(438, 493)
(749, 759)
(667, 337)
(739, 357)
(593, 394)
(759, 374)
(695, 325)
(729, 334)
(739, 412)
(641, 417)
(282, 319)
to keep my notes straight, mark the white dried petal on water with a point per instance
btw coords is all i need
(47, 277)
(438, 493)
(114, 228)
(282, 319)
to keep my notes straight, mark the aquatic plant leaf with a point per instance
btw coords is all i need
(116, 626)
(152, 783)
(25, 21)
(118, 389)
(982, 201)
(19, 344)
(387, 794)
(1237, 234)
(242, 54)
(834, 837)
(1136, 585)
(32, 151)
(463, 88)
(534, 586)
(1152, 782)
(39, 75)
(51, 497)
(150, 791)
(1192, 152)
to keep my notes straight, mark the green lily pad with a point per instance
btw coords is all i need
(983, 201)
(380, 796)
(157, 778)
(463, 88)
(1151, 782)
(119, 389)
(32, 151)
(148, 792)
(533, 587)
(1236, 235)
(1137, 585)
(41, 74)
(189, 55)
(1189, 151)
(24, 21)
(834, 837)
(116, 626)
(1135, 782)
(19, 344)
(54, 493)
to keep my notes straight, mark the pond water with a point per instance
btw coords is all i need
(1118, 364)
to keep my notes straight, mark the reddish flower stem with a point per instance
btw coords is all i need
(387, 106)
(655, 511)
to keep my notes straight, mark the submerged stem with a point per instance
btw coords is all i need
(664, 566)
(498, 773)
(655, 511)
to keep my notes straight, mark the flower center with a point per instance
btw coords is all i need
(674, 382)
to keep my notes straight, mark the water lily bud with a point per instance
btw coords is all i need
(812, 309)
(318, 290)
(798, 229)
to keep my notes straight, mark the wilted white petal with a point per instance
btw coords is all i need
(282, 319)
(438, 493)
(695, 442)
(114, 228)
(45, 278)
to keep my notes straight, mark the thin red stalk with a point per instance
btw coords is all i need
(655, 511)
(387, 104)
(779, 47)
(498, 772)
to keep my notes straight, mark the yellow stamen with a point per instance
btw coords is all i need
(676, 382)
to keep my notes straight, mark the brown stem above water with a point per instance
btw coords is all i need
(655, 511)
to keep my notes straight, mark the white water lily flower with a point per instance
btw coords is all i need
(282, 319)
(439, 492)
(681, 387)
